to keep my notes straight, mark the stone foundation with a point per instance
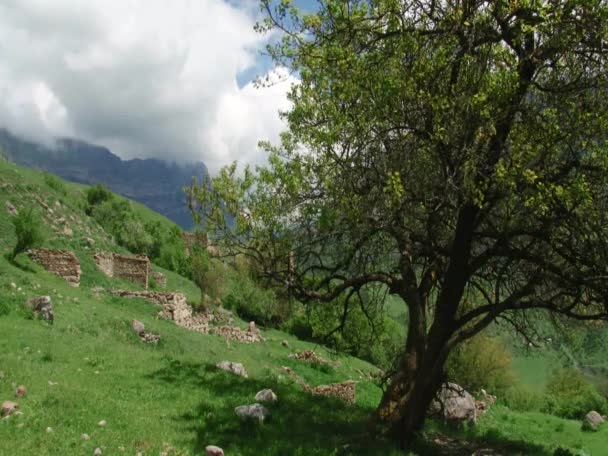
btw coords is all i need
(135, 269)
(62, 263)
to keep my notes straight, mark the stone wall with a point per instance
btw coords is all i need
(136, 269)
(159, 278)
(200, 239)
(62, 263)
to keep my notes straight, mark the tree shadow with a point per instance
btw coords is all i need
(303, 424)
(299, 423)
(14, 261)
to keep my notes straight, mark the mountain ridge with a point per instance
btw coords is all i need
(155, 183)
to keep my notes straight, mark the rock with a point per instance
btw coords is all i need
(212, 450)
(235, 368)
(8, 408)
(592, 421)
(102, 423)
(285, 344)
(266, 395)
(252, 412)
(67, 231)
(149, 338)
(251, 328)
(43, 306)
(85, 437)
(12, 210)
(453, 403)
(138, 326)
(97, 452)
(49, 430)
(20, 391)
(90, 242)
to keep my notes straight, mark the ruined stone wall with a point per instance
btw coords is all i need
(159, 278)
(200, 239)
(136, 269)
(62, 263)
(175, 305)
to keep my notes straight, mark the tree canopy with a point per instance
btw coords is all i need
(453, 152)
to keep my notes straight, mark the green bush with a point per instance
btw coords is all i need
(570, 395)
(521, 399)
(97, 195)
(252, 302)
(28, 229)
(133, 236)
(481, 362)
(55, 183)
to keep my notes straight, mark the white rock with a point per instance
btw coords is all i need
(454, 403)
(252, 412)
(97, 452)
(212, 450)
(235, 368)
(102, 423)
(85, 437)
(49, 430)
(266, 395)
(592, 421)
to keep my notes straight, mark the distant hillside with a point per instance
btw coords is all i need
(154, 183)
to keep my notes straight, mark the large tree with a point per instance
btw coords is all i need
(452, 152)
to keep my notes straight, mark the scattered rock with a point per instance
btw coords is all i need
(266, 395)
(237, 334)
(344, 391)
(212, 450)
(97, 452)
(235, 368)
(42, 306)
(252, 412)
(20, 391)
(49, 430)
(67, 231)
(138, 326)
(251, 328)
(12, 210)
(285, 344)
(309, 356)
(8, 408)
(85, 437)
(13, 285)
(90, 242)
(102, 423)
(592, 421)
(453, 403)
(149, 338)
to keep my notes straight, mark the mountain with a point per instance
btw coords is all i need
(154, 183)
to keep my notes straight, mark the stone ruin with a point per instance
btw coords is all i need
(345, 391)
(202, 240)
(175, 307)
(62, 263)
(159, 278)
(135, 269)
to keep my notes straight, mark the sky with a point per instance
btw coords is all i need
(145, 78)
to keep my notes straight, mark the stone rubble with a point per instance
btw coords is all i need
(41, 306)
(344, 391)
(309, 356)
(62, 263)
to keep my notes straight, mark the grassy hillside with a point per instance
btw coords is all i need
(170, 399)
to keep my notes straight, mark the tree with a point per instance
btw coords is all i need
(28, 231)
(451, 152)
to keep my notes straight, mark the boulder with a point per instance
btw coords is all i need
(8, 408)
(20, 391)
(137, 326)
(285, 344)
(42, 306)
(592, 421)
(266, 395)
(453, 403)
(212, 450)
(252, 412)
(235, 368)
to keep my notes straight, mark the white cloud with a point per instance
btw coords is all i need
(147, 78)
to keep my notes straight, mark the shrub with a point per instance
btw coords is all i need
(55, 183)
(98, 194)
(521, 399)
(570, 395)
(481, 362)
(28, 230)
(133, 236)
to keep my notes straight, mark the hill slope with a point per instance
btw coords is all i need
(154, 183)
(170, 398)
